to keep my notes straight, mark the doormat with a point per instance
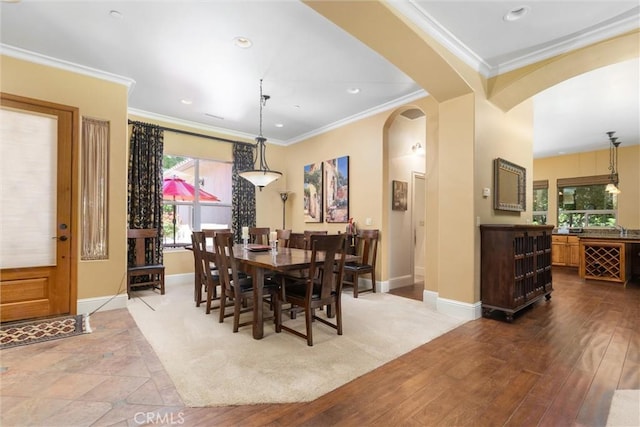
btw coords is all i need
(13, 334)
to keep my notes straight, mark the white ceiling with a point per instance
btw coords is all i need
(169, 51)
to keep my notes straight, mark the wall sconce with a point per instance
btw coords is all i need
(417, 148)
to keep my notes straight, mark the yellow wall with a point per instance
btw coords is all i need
(465, 132)
(596, 163)
(99, 99)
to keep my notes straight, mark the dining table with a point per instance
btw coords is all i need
(256, 260)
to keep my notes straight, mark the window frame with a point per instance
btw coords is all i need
(586, 181)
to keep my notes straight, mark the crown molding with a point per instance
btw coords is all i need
(49, 61)
(612, 28)
(367, 113)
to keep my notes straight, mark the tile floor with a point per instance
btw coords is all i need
(110, 377)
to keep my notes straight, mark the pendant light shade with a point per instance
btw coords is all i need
(261, 175)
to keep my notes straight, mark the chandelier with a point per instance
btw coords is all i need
(261, 175)
(612, 186)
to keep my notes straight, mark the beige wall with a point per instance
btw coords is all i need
(107, 101)
(596, 163)
(464, 133)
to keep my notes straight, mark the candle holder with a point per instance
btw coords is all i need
(274, 246)
(245, 242)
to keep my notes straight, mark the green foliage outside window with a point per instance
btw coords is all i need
(586, 206)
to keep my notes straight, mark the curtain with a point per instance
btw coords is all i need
(95, 184)
(244, 192)
(145, 183)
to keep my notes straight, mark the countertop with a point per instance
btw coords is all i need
(632, 236)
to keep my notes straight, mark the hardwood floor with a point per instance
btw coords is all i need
(557, 364)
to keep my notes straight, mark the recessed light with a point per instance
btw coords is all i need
(279, 125)
(516, 13)
(353, 90)
(115, 14)
(186, 101)
(243, 42)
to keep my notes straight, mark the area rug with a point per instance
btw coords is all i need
(625, 409)
(34, 331)
(212, 366)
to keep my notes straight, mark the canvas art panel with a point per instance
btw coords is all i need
(336, 189)
(313, 192)
(399, 192)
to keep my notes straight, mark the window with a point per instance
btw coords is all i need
(182, 213)
(540, 201)
(584, 202)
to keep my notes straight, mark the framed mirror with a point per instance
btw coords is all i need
(509, 183)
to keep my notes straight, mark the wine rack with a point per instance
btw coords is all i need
(603, 261)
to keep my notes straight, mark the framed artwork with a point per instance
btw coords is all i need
(399, 192)
(510, 184)
(336, 189)
(313, 192)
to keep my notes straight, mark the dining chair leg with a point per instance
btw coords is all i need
(309, 319)
(223, 304)
(355, 285)
(339, 315)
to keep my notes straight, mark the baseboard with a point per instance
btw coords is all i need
(463, 310)
(113, 302)
(451, 307)
(401, 281)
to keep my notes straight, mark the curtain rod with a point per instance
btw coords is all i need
(200, 135)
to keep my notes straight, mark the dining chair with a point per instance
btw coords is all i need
(309, 233)
(367, 250)
(317, 290)
(283, 237)
(144, 262)
(236, 288)
(259, 235)
(207, 274)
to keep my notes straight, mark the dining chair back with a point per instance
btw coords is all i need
(259, 235)
(283, 237)
(144, 268)
(236, 287)
(309, 233)
(367, 249)
(208, 276)
(323, 286)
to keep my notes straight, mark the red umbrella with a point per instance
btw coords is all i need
(175, 187)
(179, 188)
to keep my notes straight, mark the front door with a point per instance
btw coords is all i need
(37, 140)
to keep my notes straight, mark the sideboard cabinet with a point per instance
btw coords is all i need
(515, 267)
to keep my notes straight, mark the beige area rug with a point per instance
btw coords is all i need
(212, 366)
(625, 409)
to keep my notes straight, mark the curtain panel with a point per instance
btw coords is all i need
(95, 186)
(244, 192)
(145, 183)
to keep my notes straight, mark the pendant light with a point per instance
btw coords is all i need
(612, 186)
(261, 175)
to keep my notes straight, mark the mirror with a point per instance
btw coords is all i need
(509, 182)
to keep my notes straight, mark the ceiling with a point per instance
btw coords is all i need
(183, 64)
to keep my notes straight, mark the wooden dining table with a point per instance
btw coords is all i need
(256, 263)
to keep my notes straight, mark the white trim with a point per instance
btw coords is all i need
(459, 309)
(367, 113)
(401, 281)
(451, 307)
(89, 305)
(49, 61)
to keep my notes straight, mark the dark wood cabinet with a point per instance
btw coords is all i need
(515, 267)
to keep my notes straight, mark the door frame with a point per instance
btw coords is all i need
(414, 216)
(69, 195)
